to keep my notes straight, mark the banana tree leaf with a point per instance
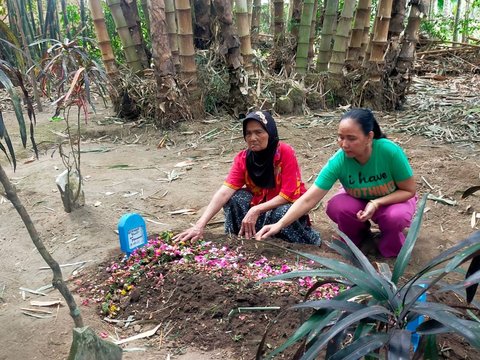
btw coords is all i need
(470, 191)
(368, 267)
(472, 269)
(371, 284)
(403, 257)
(399, 345)
(340, 326)
(361, 347)
(465, 330)
(300, 274)
(312, 323)
(432, 327)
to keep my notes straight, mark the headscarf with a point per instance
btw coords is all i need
(260, 163)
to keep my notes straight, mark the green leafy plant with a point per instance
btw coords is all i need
(370, 318)
(71, 77)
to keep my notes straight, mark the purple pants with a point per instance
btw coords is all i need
(391, 219)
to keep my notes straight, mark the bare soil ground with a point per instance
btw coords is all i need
(132, 168)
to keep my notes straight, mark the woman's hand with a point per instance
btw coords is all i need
(367, 213)
(193, 234)
(268, 231)
(248, 223)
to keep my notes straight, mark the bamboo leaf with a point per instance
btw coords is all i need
(403, 257)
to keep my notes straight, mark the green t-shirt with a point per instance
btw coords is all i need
(387, 166)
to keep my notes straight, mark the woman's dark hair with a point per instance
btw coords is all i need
(366, 120)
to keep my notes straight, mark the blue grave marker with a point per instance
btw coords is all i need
(414, 323)
(132, 232)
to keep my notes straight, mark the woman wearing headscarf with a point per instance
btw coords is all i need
(263, 182)
(377, 184)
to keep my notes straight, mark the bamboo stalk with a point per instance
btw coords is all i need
(123, 31)
(301, 60)
(172, 31)
(362, 18)
(329, 23)
(103, 38)
(241, 12)
(341, 37)
(185, 42)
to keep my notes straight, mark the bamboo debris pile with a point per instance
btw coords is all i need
(446, 111)
(454, 58)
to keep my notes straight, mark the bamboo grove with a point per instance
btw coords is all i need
(357, 52)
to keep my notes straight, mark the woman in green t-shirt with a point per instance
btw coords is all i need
(377, 184)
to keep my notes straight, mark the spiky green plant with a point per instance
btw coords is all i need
(370, 318)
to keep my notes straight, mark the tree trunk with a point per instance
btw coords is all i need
(130, 12)
(202, 26)
(162, 58)
(341, 37)
(398, 18)
(313, 32)
(456, 23)
(249, 10)
(102, 350)
(171, 19)
(57, 281)
(466, 18)
(255, 28)
(230, 49)
(241, 13)
(278, 31)
(362, 19)
(328, 27)
(301, 60)
(65, 19)
(295, 18)
(104, 43)
(380, 32)
(129, 49)
(188, 68)
(410, 39)
(447, 8)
